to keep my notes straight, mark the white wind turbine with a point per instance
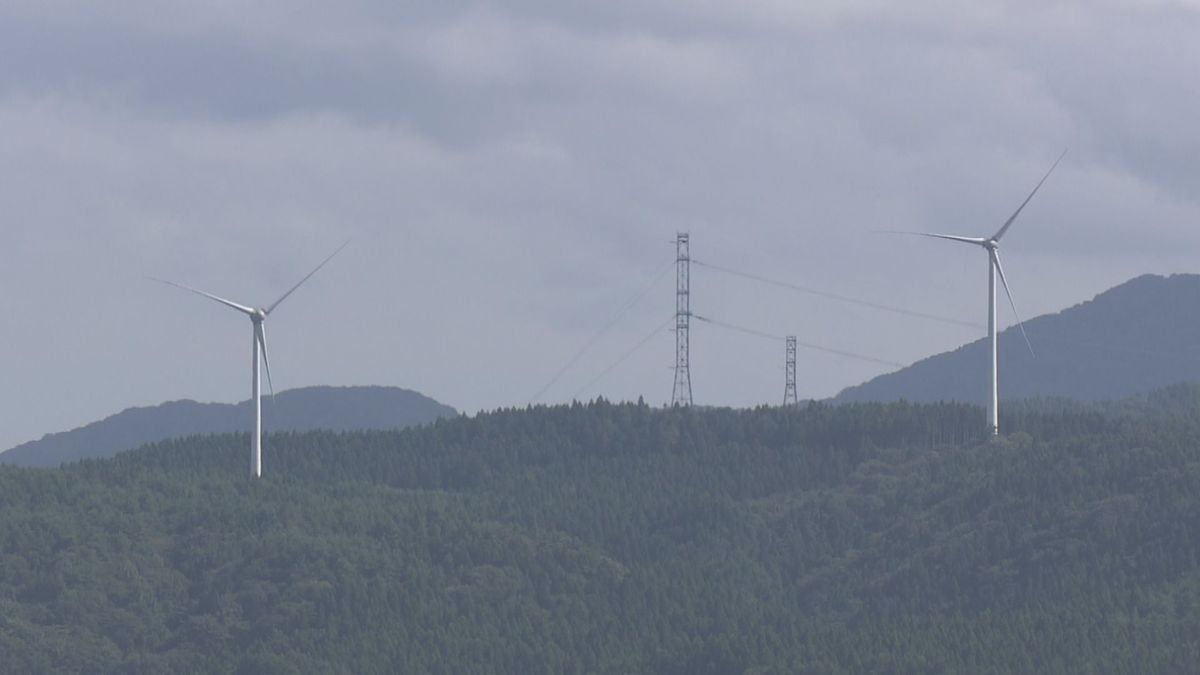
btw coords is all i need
(257, 317)
(992, 246)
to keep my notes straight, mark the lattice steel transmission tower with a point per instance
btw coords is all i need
(789, 387)
(682, 393)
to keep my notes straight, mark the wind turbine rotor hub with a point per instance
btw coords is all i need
(257, 316)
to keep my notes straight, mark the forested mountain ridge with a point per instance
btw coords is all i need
(1137, 337)
(303, 409)
(623, 539)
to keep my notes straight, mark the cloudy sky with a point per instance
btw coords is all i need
(513, 173)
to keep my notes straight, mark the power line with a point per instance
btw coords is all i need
(806, 345)
(630, 304)
(740, 329)
(641, 343)
(838, 297)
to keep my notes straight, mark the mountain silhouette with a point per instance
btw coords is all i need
(1131, 339)
(304, 409)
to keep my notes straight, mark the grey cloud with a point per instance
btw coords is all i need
(513, 172)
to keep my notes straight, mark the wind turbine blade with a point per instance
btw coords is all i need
(1009, 222)
(1021, 324)
(228, 303)
(260, 333)
(306, 278)
(951, 237)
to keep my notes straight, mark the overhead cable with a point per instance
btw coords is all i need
(630, 304)
(641, 343)
(806, 345)
(835, 296)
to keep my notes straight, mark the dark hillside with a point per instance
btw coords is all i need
(622, 539)
(305, 409)
(1137, 337)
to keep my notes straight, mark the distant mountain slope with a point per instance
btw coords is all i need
(305, 409)
(616, 539)
(1141, 335)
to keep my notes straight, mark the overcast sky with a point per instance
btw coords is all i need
(512, 173)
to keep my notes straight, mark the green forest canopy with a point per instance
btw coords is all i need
(608, 538)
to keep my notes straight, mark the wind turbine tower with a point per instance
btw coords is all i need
(992, 246)
(258, 316)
